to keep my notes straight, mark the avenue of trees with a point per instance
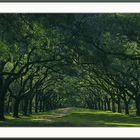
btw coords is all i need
(49, 61)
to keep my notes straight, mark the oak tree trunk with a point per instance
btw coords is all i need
(137, 100)
(16, 108)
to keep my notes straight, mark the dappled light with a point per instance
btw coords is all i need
(70, 69)
(78, 117)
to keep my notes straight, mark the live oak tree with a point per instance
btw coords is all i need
(85, 60)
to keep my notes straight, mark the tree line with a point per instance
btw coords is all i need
(49, 61)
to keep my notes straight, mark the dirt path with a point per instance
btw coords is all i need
(66, 111)
(48, 118)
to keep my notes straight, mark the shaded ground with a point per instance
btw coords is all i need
(74, 117)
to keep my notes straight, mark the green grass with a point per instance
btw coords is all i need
(74, 117)
(88, 117)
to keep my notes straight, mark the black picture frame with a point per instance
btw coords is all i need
(67, 1)
(70, 138)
